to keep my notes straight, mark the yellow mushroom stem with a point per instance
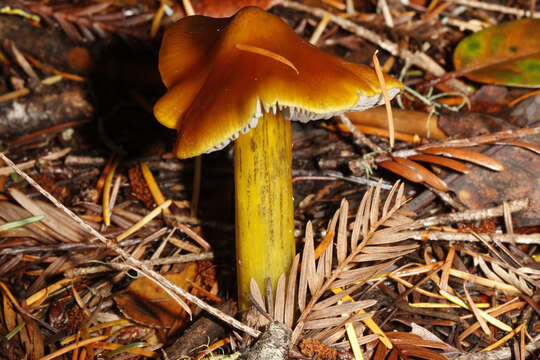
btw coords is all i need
(265, 244)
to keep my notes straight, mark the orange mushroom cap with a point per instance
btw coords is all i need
(222, 74)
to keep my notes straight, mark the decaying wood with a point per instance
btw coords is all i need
(273, 344)
(45, 107)
(203, 331)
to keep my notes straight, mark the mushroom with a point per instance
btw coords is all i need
(241, 78)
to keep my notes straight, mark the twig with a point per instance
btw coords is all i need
(319, 29)
(359, 135)
(469, 215)
(6, 170)
(358, 165)
(171, 289)
(334, 175)
(529, 239)
(79, 246)
(48, 131)
(121, 267)
(495, 7)
(447, 198)
(383, 5)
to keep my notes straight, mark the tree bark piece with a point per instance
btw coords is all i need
(273, 344)
(200, 333)
(48, 106)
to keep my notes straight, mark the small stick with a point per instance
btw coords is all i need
(468, 215)
(497, 8)
(359, 135)
(386, 13)
(319, 29)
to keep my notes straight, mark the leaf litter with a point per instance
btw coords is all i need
(362, 271)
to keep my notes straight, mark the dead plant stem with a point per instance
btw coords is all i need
(496, 7)
(528, 239)
(358, 135)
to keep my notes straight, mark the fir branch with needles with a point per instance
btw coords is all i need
(356, 260)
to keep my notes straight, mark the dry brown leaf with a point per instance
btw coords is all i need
(375, 203)
(364, 273)
(442, 161)
(399, 337)
(147, 303)
(522, 144)
(338, 310)
(357, 225)
(397, 221)
(328, 259)
(364, 205)
(279, 306)
(329, 301)
(389, 199)
(419, 352)
(388, 236)
(341, 243)
(467, 155)
(342, 270)
(291, 288)
(307, 269)
(256, 293)
(386, 249)
(401, 170)
(269, 296)
(10, 317)
(487, 271)
(36, 336)
(329, 322)
(429, 177)
(382, 256)
(49, 225)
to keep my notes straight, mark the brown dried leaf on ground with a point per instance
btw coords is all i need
(146, 303)
(483, 188)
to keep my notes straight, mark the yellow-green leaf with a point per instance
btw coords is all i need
(506, 54)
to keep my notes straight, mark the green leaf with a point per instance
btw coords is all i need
(20, 223)
(505, 54)
(135, 345)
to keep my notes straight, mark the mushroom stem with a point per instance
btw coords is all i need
(265, 244)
